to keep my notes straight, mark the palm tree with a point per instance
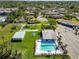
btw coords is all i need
(1, 49)
(42, 26)
(2, 46)
(64, 54)
(76, 31)
(20, 55)
(59, 38)
(64, 51)
(3, 40)
(16, 52)
(55, 52)
(10, 49)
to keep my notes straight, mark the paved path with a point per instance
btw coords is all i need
(22, 25)
(71, 40)
(29, 30)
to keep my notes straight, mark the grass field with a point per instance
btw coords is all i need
(27, 47)
(33, 26)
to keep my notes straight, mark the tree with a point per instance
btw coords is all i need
(72, 7)
(1, 49)
(3, 24)
(64, 51)
(64, 54)
(53, 56)
(36, 14)
(59, 38)
(68, 17)
(14, 27)
(3, 40)
(76, 31)
(42, 26)
(52, 23)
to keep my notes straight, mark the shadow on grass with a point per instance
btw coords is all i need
(65, 57)
(16, 40)
(47, 56)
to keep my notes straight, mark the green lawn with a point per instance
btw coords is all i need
(33, 26)
(27, 47)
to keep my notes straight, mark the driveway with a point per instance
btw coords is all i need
(69, 38)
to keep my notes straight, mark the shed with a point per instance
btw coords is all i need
(19, 35)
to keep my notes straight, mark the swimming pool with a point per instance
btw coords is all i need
(48, 45)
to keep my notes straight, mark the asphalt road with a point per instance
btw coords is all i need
(72, 40)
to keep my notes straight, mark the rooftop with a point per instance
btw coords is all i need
(19, 35)
(48, 34)
(40, 18)
(2, 19)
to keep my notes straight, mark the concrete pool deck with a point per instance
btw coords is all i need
(38, 51)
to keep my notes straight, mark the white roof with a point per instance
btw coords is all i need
(48, 34)
(2, 19)
(40, 18)
(19, 35)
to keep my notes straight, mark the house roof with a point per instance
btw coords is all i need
(22, 19)
(40, 18)
(2, 19)
(19, 35)
(66, 22)
(48, 34)
(52, 12)
(61, 9)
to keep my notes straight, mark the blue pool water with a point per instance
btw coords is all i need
(48, 41)
(48, 45)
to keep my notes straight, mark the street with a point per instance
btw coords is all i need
(72, 40)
